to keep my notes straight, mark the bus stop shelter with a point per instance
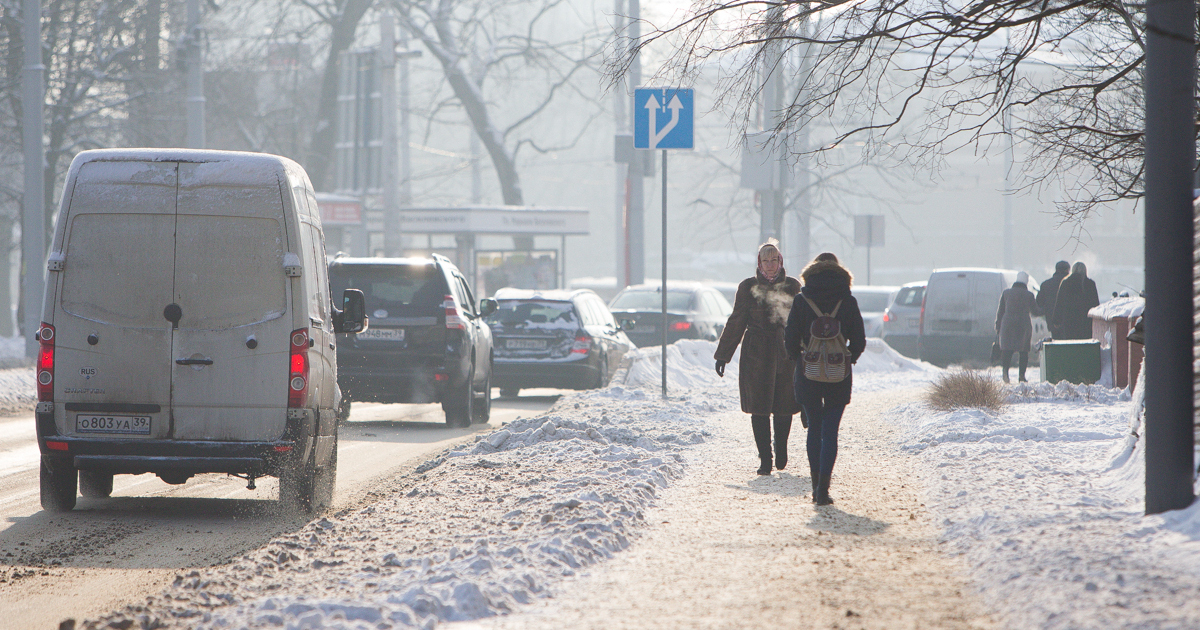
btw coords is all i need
(522, 266)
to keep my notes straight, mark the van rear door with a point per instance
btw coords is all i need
(111, 341)
(231, 349)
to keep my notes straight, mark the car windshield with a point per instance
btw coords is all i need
(651, 300)
(398, 290)
(534, 314)
(871, 302)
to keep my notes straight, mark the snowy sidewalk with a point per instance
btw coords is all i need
(730, 549)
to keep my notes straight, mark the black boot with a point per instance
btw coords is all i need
(783, 428)
(1023, 362)
(803, 418)
(762, 439)
(821, 493)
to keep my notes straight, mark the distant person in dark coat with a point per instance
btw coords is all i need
(1048, 291)
(827, 284)
(1076, 296)
(1014, 325)
(760, 310)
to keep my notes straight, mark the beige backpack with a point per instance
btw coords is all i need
(826, 357)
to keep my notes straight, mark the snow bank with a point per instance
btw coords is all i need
(479, 531)
(690, 364)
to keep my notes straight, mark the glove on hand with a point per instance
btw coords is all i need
(721, 368)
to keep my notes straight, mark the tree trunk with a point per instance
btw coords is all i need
(320, 153)
(469, 93)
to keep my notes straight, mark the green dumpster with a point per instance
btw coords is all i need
(1074, 361)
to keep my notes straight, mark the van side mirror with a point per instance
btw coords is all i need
(487, 306)
(354, 312)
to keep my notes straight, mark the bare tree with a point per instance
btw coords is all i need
(91, 50)
(1069, 71)
(486, 47)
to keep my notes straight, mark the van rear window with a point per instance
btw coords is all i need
(119, 268)
(400, 290)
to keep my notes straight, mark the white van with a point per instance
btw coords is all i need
(958, 315)
(187, 326)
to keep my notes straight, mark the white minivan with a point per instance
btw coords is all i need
(958, 315)
(187, 326)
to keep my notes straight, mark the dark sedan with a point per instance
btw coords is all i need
(694, 311)
(565, 339)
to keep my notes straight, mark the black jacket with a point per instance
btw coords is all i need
(825, 283)
(1048, 293)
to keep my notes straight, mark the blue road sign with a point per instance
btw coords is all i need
(662, 118)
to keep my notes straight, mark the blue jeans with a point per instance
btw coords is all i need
(823, 422)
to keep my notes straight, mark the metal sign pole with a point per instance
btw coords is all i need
(664, 273)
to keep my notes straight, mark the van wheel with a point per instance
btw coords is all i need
(58, 480)
(460, 407)
(305, 488)
(509, 392)
(95, 484)
(343, 409)
(483, 406)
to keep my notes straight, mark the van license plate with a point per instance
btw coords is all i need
(391, 334)
(134, 425)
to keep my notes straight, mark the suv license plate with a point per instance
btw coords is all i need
(391, 334)
(134, 425)
(525, 344)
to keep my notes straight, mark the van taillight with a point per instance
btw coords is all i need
(453, 319)
(298, 373)
(681, 326)
(45, 363)
(922, 329)
(582, 344)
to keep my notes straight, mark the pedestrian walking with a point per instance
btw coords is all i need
(823, 316)
(760, 310)
(1076, 296)
(1048, 291)
(1014, 326)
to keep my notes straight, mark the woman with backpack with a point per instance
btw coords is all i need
(825, 336)
(760, 310)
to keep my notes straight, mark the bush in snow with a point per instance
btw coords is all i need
(966, 389)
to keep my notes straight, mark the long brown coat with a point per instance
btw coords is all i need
(760, 312)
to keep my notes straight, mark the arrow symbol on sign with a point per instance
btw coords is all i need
(652, 108)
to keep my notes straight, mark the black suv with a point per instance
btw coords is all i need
(427, 341)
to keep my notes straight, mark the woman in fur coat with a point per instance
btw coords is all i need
(826, 284)
(760, 311)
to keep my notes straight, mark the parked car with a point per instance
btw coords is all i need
(728, 289)
(872, 302)
(902, 319)
(428, 341)
(694, 311)
(187, 326)
(565, 339)
(958, 318)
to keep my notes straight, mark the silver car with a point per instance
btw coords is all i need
(902, 319)
(872, 302)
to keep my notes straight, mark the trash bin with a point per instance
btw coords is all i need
(1110, 325)
(1074, 361)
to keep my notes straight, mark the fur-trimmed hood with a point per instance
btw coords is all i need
(826, 280)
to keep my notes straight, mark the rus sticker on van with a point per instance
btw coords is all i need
(133, 425)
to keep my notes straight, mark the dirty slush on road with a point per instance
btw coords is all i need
(541, 511)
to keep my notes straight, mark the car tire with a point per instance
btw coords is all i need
(58, 481)
(483, 406)
(460, 407)
(509, 392)
(94, 484)
(343, 409)
(601, 374)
